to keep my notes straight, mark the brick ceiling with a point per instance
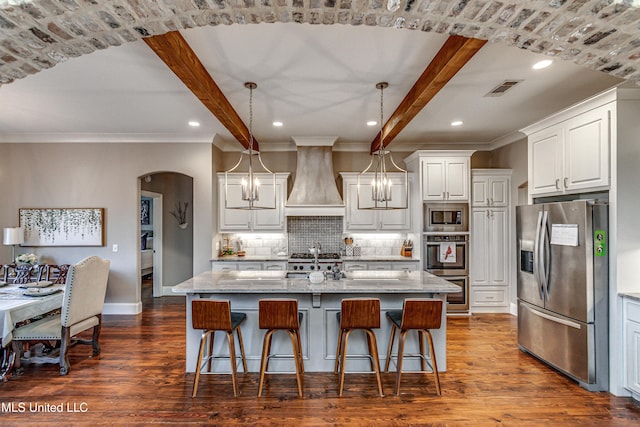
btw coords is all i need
(602, 35)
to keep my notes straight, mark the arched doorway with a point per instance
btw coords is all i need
(166, 231)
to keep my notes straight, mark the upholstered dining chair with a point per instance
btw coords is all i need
(82, 305)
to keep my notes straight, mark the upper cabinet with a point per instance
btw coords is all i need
(490, 187)
(445, 178)
(569, 152)
(373, 220)
(237, 220)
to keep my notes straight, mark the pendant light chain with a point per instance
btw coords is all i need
(385, 176)
(250, 86)
(381, 116)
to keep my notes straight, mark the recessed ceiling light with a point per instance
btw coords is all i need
(194, 124)
(542, 64)
(277, 124)
(456, 123)
(372, 123)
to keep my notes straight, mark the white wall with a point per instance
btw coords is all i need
(105, 176)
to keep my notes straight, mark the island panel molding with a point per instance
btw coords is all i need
(62, 226)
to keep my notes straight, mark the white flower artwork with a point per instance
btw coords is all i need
(63, 227)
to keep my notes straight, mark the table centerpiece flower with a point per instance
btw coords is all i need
(27, 259)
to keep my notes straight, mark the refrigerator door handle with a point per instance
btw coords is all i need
(544, 255)
(555, 319)
(536, 258)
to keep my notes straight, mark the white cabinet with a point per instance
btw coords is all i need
(380, 265)
(238, 220)
(632, 346)
(354, 266)
(275, 265)
(248, 265)
(488, 260)
(570, 153)
(489, 240)
(490, 187)
(224, 265)
(373, 220)
(405, 266)
(445, 178)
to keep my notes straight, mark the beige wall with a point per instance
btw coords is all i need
(106, 176)
(482, 160)
(514, 156)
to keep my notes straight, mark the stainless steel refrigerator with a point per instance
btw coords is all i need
(563, 288)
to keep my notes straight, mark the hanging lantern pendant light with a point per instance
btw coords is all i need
(381, 166)
(249, 183)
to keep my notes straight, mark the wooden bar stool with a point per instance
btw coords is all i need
(364, 314)
(212, 316)
(420, 315)
(275, 315)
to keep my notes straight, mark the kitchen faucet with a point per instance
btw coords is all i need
(316, 252)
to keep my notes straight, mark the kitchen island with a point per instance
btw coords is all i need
(319, 304)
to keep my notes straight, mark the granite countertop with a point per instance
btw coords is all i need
(380, 258)
(254, 258)
(632, 295)
(276, 282)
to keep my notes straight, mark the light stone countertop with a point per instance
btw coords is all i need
(275, 282)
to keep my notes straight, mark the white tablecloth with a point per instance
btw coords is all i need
(16, 307)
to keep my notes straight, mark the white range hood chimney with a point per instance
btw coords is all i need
(314, 190)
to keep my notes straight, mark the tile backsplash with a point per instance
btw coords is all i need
(302, 231)
(379, 244)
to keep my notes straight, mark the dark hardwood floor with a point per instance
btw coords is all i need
(139, 379)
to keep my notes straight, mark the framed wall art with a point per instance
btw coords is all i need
(62, 227)
(145, 211)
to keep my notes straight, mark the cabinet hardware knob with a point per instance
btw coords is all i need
(565, 182)
(557, 184)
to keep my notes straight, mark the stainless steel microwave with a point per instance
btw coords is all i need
(446, 217)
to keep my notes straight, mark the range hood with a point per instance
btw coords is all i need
(314, 190)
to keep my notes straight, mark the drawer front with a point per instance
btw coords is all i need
(386, 266)
(250, 266)
(223, 266)
(489, 297)
(633, 311)
(354, 266)
(278, 266)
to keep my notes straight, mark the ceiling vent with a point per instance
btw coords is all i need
(503, 87)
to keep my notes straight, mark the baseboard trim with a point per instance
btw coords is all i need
(166, 292)
(513, 309)
(122, 308)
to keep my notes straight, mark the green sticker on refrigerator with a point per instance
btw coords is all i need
(600, 243)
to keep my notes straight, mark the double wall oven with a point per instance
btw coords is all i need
(446, 248)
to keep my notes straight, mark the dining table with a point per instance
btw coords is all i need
(21, 302)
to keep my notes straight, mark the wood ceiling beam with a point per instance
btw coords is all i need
(174, 50)
(452, 56)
